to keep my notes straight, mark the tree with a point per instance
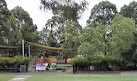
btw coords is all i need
(28, 29)
(15, 35)
(130, 11)
(69, 9)
(123, 40)
(44, 33)
(113, 39)
(69, 39)
(122, 34)
(92, 41)
(63, 11)
(9, 27)
(4, 16)
(130, 55)
(102, 13)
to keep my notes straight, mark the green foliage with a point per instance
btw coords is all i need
(63, 69)
(122, 34)
(64, 12)
(68, 9)
(26, 60)
(9, 26)
(69, 38)
(130, 55)
(14, 60)
(130, 11)
(113, 39)
(100, 63)
(27, 28)
(81, 62)
(102, 13)
(44, 33)
(92, 40)
(86, 48)
(103, 62)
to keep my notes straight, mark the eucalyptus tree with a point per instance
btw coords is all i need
(122, 34)
(130, 11)
(28, 29)
(4, 16)
(102, 13)
(119, 37)
(92, 41)
(63, 11)
(44, 33)
(69, 9)
(9, 27)
(69, 38)
(123, 40)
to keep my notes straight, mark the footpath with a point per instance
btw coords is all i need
(20, 78)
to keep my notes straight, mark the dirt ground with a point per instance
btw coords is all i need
(51, 60)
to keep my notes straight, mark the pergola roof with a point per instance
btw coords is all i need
(8, 47)
(47, 47)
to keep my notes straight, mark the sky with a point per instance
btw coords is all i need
(40, 17)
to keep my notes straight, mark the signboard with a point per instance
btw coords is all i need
(44, 66)
(41, 66)
(51, 66)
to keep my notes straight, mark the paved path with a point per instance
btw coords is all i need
(128, 73)
(38, 73)
(20, 78)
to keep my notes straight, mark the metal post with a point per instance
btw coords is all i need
(23, 48)
(59, 57)
(29, 50)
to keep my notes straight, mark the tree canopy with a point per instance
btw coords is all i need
(69, 9)
(102, 13)
(130, 11)
(27, 28)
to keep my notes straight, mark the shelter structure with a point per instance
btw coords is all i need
(12, 49)
(49, 49)
(8, 47)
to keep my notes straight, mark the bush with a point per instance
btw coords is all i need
(18, 60)
(104, 63)
(100, 63)
(82, 63)
(63, 69)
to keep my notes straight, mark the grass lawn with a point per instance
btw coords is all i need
(6, 77)
(80, 78)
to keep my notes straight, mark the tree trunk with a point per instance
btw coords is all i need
(105, 54)
(65, 60)
(135, 66)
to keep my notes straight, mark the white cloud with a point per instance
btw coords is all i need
(40, 18)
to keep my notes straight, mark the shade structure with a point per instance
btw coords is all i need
(46, 47)
(8, 47)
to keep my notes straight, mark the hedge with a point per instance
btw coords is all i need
(82, 63)
(14, 60)
(100, 63)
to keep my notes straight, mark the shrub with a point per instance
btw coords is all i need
(14, 60)
(82, 63)
(63, 69)
(100, 63)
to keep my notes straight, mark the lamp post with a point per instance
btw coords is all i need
(29, 50)
(23, 48)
